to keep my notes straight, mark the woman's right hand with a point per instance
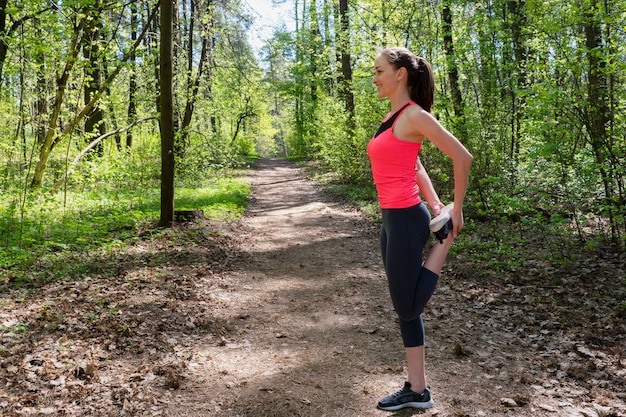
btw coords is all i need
(436, 207)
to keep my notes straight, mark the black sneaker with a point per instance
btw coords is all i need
(406, 398)
(442, 234)
(442, 224)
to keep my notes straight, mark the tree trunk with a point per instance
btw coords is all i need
(94, 122)
(453, 72)
(41, 103)
(193, 84)
(298, 111)
(4, 46)
(167, 114)
(111, 110)
(598, 110)
(518, 21)
(132, 82)
(51, 133)
(331, 81)
(210, 65)
(346, 65)
(315, 49)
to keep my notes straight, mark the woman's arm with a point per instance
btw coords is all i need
(427, 189)
(445, 141)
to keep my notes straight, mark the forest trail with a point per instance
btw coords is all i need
(285, 314)
(312, 330)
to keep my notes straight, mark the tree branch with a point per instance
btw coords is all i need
(89, 106)
(93, 143)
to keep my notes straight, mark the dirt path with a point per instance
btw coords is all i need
(311, 331)
(309, 326)
(287, 314)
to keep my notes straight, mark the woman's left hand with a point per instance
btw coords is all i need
(457, 221)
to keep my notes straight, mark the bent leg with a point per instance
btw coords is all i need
(413, 332)
(437, 255)
(419, 290)
(411, 325)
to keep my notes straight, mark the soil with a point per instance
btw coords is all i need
(286, 313)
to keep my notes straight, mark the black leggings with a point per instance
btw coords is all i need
(403, 237)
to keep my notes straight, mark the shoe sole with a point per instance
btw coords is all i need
(421, 406)
(444, 216)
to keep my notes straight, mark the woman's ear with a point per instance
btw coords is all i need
(401, 74)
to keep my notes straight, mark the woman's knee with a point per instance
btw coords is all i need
(410, 303)
(408, 314)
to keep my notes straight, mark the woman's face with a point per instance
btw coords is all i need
(385, 77)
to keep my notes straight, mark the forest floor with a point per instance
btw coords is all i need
(286, 313)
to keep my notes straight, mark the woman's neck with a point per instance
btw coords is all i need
(399, 100)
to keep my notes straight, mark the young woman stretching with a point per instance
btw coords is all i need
(407, 81)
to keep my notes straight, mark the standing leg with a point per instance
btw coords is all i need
(415, 356)
(411, 284)
(416, 359)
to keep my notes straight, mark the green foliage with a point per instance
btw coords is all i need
(87, 221)
(105, 208)
(211, 153)
(335, 146)
(539, 111)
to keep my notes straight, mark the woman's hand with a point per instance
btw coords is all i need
(457, 221)
(436, 207)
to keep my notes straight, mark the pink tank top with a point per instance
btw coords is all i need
(393, 164)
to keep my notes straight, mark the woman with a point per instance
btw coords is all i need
(407, 81)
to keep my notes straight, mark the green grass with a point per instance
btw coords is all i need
(50, 228)
(222, 198)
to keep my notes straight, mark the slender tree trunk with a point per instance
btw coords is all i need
(181, 146)
(41, 102)
(20, 133)
(193, 92)
(4, 46)
(94, 122)
(210, 65)
(299, 114)
(111, 110)
(598, 110)
(61, 84)
(332, 76)
(346, 65)
(315, 47)
(518, 22)
(132, 82)
(338, 38)
(453, 72)
(167, 114)
(193, 84)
